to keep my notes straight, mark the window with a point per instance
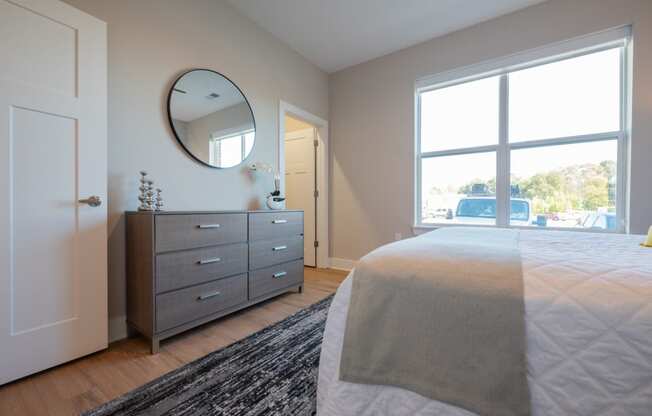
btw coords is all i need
(538, 144)
(566, 183)
(446, 178)
(454, 107)
(231, 150)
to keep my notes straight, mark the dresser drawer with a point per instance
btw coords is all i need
(273, 225)
(270, 279)
(185, 305)
(190, 267)
(270, 252)
(178, 232)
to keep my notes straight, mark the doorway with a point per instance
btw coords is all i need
(303, 161)
(301, 180)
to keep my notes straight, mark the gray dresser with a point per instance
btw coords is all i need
(187, 268)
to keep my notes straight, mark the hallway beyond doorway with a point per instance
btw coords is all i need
(301, 179)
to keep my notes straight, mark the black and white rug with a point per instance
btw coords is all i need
(272, 372)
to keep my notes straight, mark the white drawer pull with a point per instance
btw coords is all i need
(279, 221)
(279, 275)
(279, 248)
(208, 226)
(209, 261)
(208, 295)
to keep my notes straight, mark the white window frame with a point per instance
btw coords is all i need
(610, 39)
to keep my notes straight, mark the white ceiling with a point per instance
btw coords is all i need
(335, 34)
(195, 102)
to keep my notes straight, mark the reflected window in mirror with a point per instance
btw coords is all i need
(232, 149)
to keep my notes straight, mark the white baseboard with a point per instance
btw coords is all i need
(117, 328)
(342, 264)
(323, 264)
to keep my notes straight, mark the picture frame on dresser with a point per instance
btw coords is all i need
(187, 268)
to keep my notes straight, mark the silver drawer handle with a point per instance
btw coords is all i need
(279, 275)
(279, 221)
(279, 248)
(208, 226)
(208, 295)
(209, 261)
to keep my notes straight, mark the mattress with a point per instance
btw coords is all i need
(588, 307)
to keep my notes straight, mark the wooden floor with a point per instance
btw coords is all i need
(90, 381)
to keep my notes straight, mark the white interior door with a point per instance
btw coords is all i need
(53, 249)
(300, 185)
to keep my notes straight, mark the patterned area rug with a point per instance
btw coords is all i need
(272, 372)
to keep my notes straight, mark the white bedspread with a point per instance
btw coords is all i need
(588, 301)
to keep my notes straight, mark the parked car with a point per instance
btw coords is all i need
(601, 221)
(482, 210)
(440, 212)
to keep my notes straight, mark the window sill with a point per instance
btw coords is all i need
(418, 229)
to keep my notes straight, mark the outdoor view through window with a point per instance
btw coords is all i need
(556, 126)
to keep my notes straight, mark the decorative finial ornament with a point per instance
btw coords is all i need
(150, 195)
(159, 200)
(146, 195)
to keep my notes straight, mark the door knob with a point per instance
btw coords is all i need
(92, 201)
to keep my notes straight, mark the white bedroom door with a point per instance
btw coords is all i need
(53, 248)
(300, 185)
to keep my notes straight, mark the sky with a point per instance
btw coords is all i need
(567, 98)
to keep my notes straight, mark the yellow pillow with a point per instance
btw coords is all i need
(648, 243)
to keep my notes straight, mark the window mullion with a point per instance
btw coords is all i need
(418, 214)
(502, 157)
(622, 164)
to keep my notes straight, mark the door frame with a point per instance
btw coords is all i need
(321, 171)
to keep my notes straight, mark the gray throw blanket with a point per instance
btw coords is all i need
(442, 315)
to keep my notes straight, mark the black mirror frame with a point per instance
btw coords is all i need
(176, 136)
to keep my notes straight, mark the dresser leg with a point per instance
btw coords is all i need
(154, 345)
(301, 289)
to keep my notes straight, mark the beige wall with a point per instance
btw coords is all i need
(372, 114)
(150, 43)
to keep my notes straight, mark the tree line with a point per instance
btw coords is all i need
(584, 187)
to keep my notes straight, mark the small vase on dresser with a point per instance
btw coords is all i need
(188, 268)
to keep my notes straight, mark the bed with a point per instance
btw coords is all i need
(588, 321)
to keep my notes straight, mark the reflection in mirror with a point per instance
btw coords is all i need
(211, 118)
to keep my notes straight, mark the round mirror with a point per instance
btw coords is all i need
(211, 118)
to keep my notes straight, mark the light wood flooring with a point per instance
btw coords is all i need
(90, 381)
